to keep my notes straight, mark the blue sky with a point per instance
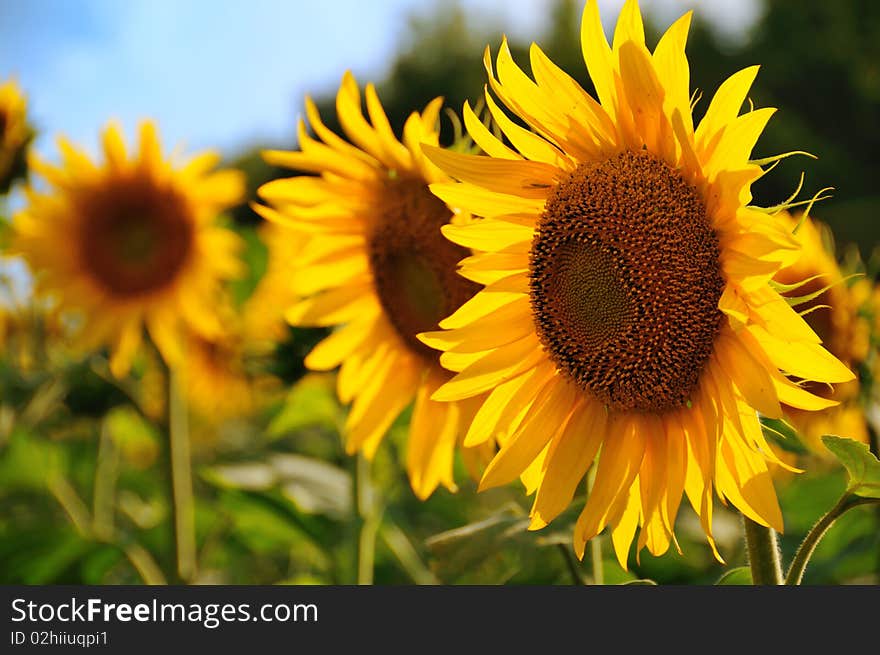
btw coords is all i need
(228, 73)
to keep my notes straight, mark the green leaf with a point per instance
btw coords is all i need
(138, 440)
(314, 486)
(28, 462)
(481, 549)
(642, 582)
(861, 465)
(741, 575)
(255, 256)
(311, 403)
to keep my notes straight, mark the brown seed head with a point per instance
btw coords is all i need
(625, 281)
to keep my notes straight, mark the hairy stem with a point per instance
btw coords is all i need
(763, 553)
(805, 551)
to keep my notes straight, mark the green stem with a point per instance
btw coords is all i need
(805, 551)
(144, 564)
(105, 484)
(577, 576)
(399, 544)
(76, 510)
(70, 501)
(183, 505)
(596, 560)
(365, 521)
(763, 553)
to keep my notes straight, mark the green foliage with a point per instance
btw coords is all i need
(741, 575)
(861, 465)
(255, 257)
(311, 403)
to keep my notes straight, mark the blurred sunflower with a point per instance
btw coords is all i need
(14, 134)
(132, 243)
(833, 306)
(372, 261)
(263, 315)
(627, 315)
(218, 380)
(33, 333)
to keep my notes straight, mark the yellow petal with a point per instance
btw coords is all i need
(482, 304)
(481, 135)
(623, 532)
(395, 150)
(492, 369)
(527, 179)
(489, 234)
(378, 403)
(431, 442)
(351, 118)
(333, 306)
(809, 361)
(750, 377)
(503, 404)
(629, 25)
(743, 477)
(725, 105)
(571, 454)
(619, 461)
(114, 146)
(739, 138)
(150, 149)
(547, 416)
(528, 143)
(597, 54)
(331, 139)
(591, 128)
(483, 202)
(125, 349)
(332, 350)
(508, 323)
(673, 71)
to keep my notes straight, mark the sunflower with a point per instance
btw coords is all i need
(219, 380)
(14, 134)
(833, 306)
(372, 262)
(131, 244)
(627, 319)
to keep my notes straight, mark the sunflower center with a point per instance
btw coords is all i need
(413, 264)
(625, 280)
(2, 124)
(134, 235)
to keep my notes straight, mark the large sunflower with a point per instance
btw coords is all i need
(131, 243)
(627, 317)
(833, 305)
(14, 134)
(374, 263)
